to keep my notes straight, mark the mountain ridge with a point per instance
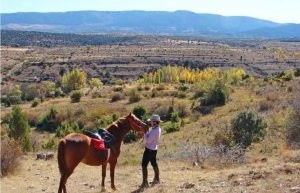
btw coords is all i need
(150, 22)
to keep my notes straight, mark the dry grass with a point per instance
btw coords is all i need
(270, 176)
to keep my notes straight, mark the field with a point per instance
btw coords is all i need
(275, 175)
(190, 159)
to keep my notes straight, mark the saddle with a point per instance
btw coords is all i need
(101, 139)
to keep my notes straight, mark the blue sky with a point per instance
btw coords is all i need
(282, 11)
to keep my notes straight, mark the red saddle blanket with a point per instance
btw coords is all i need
(98, 144)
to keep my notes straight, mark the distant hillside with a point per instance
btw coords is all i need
(45, 39)
(154, 22)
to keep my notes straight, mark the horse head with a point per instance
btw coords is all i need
(136, 124)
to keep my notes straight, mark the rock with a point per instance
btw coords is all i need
(257, 176)
(231, 176)
(40, 156)
(236, 183)
(49, 155)
(188, 185)
(295, 189)
(263, 160)
(45, 155)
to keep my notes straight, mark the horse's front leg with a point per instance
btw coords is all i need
(103, 177)
(112, 174)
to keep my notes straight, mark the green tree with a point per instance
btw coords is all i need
(139, 111)
(19, 128)
(248, 127)
(49, 88)
(74, 80)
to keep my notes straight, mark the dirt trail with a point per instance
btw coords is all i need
(37, 176)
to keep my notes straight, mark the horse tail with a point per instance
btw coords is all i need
(61, 156)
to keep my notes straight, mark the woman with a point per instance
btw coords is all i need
(152, 139)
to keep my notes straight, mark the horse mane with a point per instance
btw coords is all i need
(116, 124)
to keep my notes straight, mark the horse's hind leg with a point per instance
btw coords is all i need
(62, 184)
(63, 181)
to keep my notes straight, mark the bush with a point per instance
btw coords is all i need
(19, 128)
(58, 92)
(115, 116)
(76, 96)
(96, 94)
(66, 128)
(169, 113)
(132, 136)
(104, 121)
(248, 127)
(50, 144)
(15, 96)
(217, 96)
(10, 154)
(147, 87)
(139, 111)
(182, 109)
(116, 97)
(35, 102)
(134, 96)
(179, 95)
(174, 117)
(183, 87)
(118, 89)
(172, 127)
(265, 105)
(297, 72)
(198, 93)
(49, 122)
(162, 111)
(154, 93)
(32, 119)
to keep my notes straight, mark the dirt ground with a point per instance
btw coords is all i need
(270, 175)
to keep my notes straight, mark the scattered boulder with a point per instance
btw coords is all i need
(45, 155)
(295, 189)
(263, 160)
(231, 176)
(188, 185)
(257, 175)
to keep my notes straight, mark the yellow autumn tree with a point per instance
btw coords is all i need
(74, 80)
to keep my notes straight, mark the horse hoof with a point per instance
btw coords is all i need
(114, 188)
(103, 189)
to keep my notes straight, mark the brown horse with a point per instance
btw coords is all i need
(75, 148)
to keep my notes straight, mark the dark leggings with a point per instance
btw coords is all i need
(149, 156)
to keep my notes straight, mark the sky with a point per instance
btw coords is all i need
(281, 11)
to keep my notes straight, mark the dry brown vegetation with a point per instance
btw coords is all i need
(190, 159)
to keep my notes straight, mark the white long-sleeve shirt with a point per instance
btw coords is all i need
(152, 138)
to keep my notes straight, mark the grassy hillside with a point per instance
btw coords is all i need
(192, 158)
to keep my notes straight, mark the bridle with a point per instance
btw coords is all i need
(135, 125)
